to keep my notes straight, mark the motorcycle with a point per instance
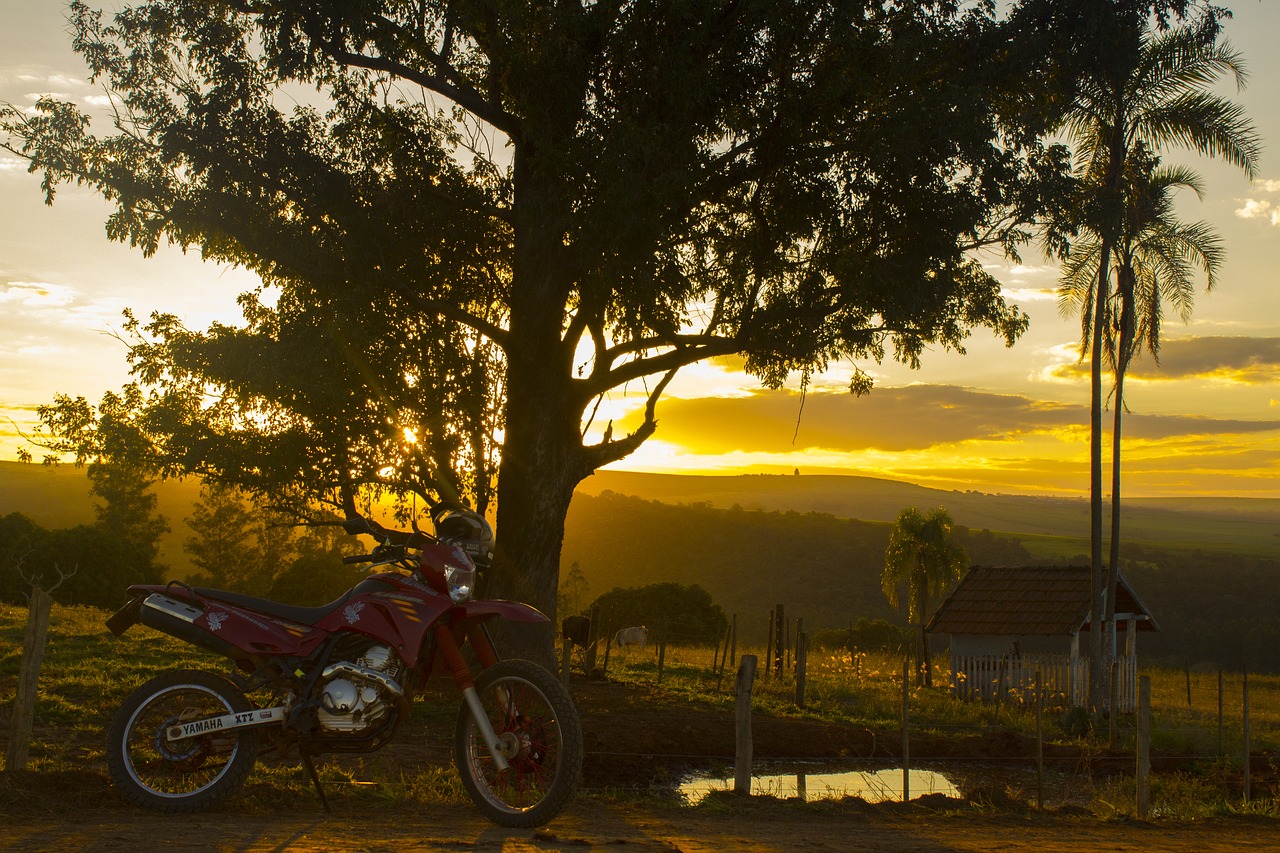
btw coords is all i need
(341, 677)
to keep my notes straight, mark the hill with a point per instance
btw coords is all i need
(1053, 528)
(1207, 567)
(57, 496)
(822, 568)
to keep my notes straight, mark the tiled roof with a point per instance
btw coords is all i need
(1032, 601)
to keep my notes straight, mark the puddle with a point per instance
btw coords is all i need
(874, 786)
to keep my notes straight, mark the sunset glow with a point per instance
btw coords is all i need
(1204, 421)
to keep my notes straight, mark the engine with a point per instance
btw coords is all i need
(356, 695)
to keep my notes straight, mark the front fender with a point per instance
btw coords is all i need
(514, 610)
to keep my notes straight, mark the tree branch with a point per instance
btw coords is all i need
(611, 451)
(448, 82)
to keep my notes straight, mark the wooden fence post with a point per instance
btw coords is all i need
(802, 664)
(1220, 750)
(593, 641)
(1186, 667)
(733, 642)
(906, 737)
(24, 703)
(1245, 725)
(780, 641)
(1113, 722)
(1144, 746)
(768, 649)
(1039, 743)
(566, 654)
(662, 654)
(742, 738)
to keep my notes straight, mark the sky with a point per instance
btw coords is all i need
(1204, 421)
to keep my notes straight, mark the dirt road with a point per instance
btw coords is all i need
(604, 824)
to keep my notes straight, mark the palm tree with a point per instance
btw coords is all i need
(922, 557)
(1146, 91)
(1155, 260)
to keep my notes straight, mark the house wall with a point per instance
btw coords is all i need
(969, 645)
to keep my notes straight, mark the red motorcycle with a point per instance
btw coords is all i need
(341, 677)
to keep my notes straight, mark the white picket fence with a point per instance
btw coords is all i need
(1064, 679)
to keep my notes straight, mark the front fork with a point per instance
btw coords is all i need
(452, 655)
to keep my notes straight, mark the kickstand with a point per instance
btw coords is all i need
(315, 780)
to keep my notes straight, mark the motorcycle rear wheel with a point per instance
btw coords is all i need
(187, 775)
(539, 734)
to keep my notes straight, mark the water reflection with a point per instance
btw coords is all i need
(874, 786)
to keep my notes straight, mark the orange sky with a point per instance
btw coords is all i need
(1204, 421)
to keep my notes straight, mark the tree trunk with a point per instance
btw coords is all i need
(542, 453)
(1113, 565)
(1097, 580)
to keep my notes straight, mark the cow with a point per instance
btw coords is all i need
(577, 630)
(636, 636)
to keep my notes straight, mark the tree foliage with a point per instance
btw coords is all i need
(922, 558)
(1149, 88)
(475, 220)
(96, 561)
(678, 613)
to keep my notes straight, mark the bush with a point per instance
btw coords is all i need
(671, 611)
(867, 635)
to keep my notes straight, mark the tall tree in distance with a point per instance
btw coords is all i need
(224, 545)
(126, 510)
(1155, 259)
(1147, 90)
(922, 558)
(498, 215)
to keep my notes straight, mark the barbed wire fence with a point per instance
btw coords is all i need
(1206, 719)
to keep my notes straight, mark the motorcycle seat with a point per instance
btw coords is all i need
(292, 612)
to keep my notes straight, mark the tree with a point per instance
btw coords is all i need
(921, 557)
(222, 545)
(497, 216)
(1155, 259)
(1147, 90)
(127, 512)
(574, 589)
(683, 614)
(20, 539)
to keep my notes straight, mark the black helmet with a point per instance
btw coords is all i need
(457, 525)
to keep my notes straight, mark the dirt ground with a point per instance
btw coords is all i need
(592, 824)
(635, 739)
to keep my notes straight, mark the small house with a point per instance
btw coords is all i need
(1006, 625)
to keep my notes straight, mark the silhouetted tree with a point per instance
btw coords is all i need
(497, 215)
(922, 558)
(1146, 90)
(678, 613)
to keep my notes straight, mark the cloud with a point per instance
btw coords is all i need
(1255, 208)
(1031, 294)
(909, 419)
(889, 419)
(1219, 358)
(1244, 360)
(35, 294)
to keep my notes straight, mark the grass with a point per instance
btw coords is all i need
(868, 691)
(87, 673)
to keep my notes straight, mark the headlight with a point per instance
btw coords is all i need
(461, 581)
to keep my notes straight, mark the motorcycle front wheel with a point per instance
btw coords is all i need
(184, 775)
(538, 733)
